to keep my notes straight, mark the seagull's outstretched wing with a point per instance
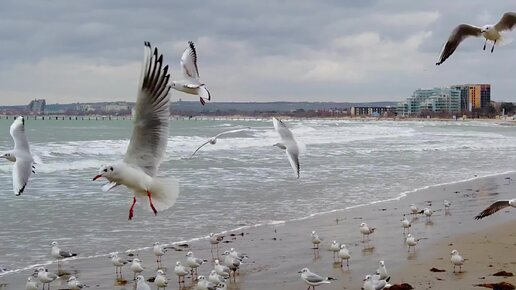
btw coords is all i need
(460, 33)
(283, 131)
(150, 133)
(199, 148)
(231, 131)
(21, 172)
(493, 208)
(507, 22)
(189, 62)
(17, 131)
(23, 166)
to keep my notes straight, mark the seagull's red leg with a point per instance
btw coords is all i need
(151, 205)
(132, 208)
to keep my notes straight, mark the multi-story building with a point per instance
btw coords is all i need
(117, 107)
(474, 96)
(37, 106)
(434, 100)
(370, 111)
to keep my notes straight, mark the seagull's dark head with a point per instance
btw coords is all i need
(107, 171)
(304, 270)
(9, 156)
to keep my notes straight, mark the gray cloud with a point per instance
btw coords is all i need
(70, 50)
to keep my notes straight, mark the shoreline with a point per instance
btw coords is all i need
(269, 265)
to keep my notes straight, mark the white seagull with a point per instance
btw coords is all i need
(213, 140)
(20, 155)
(136, 267)
(232, 263)
(382, 271)
(428, 213)
(180, 271)
(59, 254)
(313, 279)
(161, 280)
(405, 223)
(159, 250)
(489, 32)
(344, 254)
(365, 230)
(75, 284)
(316, 240)
(148, 141)
(45, 277)
(215, 278)
(288, 143)
(141, 284)
(117, 262)
(222, 270)
(203, 284)
(374, 283)
(501, 204)
(335, 248)
(411, 241)
(31, 285)
(193, 263)
(457, 260)
(214, 241)
(190, 83)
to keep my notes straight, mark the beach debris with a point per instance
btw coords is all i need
(403, 286)
(313, 279)
(437, 270)
(316, 240)
(497, 286)
(501, 204)
(365, 230)
(183, 245)
(503, 274)
(344, 254)
(457, 260)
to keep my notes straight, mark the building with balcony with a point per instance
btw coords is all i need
(436, 100)
(474, 96)
(37, 106)
(371, 111)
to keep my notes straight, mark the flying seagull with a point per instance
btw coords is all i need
(20, 155)
(213, 140)
(148, 142)
(190, 83)
(496, 207)
(288, 144)
(489, 32)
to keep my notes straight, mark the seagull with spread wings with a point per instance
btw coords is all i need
(213, 140)
(288, 143)
(489, 32)
(148, 142)
(190, 83)
(20, 155)
(501, 204)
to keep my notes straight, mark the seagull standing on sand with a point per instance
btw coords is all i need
(344, 254)
(59, 254)
(335, 248)
(489, 32)
(501, 204)
(75, 284)
(159, 250)
(193, 263)
(316, 240)
(457, 260)
(222, 270)
(365, 230)
(411, 241)
(428, 213)
(31, 285)
(20, 155)
(288, 143)
(117, 262)
(414, 209)
(405, 223)
(161, 280)
(232, 263)
(148, 141)
(313, 279)
(204, 284)
(215, 278)
(180, 271)
(373, 283)
(447, 205)
(136, 267)
(190, 83)
(214, 242)
(141, 284)
(213, 140)
(45, 277)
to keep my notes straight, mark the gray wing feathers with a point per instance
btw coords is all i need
(314, 278)
(150, 132)
(460, 33)
(282, 130)
(21, 172)
(17, 131)
(507, 22)
(493, 208)
(199, 148)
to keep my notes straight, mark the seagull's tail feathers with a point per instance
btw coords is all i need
(164, 192)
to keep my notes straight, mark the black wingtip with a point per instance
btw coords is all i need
(146, 43)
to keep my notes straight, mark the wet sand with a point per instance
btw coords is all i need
(278, 252)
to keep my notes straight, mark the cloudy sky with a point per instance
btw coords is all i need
(364, 50)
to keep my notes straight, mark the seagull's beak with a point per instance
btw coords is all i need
(299, 271)
(97, 177)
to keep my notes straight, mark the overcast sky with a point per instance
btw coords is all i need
(78, 51)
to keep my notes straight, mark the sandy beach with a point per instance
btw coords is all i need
(278, 252)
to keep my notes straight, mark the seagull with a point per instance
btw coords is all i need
(288, 144)
(414, 209)
(382, 271)
(190, 83)
(411, 241)
(313, 279)
(214, 242)
(213, 140)
(193, 263)
(222, 286)
(74, 284)
(457, 260)
(335, 248)
(366, 231)
(141, 284)
(117, 262)
(447, 205)
(344, 254)
(489, 32)
(148, 142)
(58, 254)
(496, 207)
(428, 213)
(316, 240)
(31, 285)
(240, 256)
(161, 280)
(204, 284)
(222, 270)
(159, 250)
(20, 155)
(136, 267)
(405, 223)
(180, 271)
(45, 277)
(232, 263)
(215, 278)
(374, 283)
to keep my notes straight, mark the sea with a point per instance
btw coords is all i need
(241, 181)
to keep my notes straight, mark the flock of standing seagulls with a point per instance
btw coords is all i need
(139, 168)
